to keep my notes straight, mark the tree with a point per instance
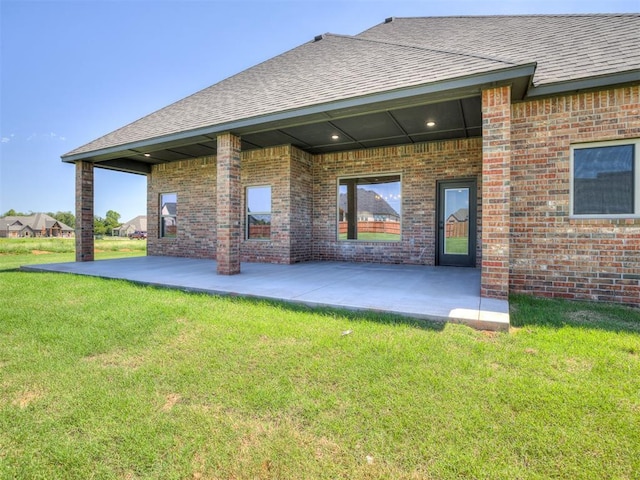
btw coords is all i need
(105, 226)
(67, 218)
(111, 221)
(13, 213)
(99, 227)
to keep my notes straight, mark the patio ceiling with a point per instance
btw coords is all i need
(429, 113)
(458, 118)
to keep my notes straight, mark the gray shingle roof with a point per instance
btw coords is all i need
(399, 54)
(565, 47)
(37, 221)
(461, 215)
(138, 223)
(369, 201)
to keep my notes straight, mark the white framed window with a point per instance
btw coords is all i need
(168, 215)
(370, 208)
(605, 179)
(259, 213)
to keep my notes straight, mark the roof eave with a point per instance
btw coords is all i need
(588, 83)
(254, 124)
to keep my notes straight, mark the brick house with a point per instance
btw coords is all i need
(35, 225)
(531, 123)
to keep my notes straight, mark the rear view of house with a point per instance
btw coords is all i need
(505, 143)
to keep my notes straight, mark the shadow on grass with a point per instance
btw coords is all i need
(558, 313)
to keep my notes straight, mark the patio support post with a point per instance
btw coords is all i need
(229, 210)
(496, 191)
(84, 211)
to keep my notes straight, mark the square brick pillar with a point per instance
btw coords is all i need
(229, 207)
(496, 191)
(84, 211)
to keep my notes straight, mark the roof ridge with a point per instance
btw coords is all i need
(524, 15)
(437, 50)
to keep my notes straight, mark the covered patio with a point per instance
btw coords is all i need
(444, 294)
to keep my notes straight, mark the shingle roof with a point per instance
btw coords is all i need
(399, 54)
(369, 201)
(139, 223)
(37, 221)
(461, 215)
(565, 47)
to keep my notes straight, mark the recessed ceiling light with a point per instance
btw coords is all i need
(335, 137)
(147, 154)
(431, 124)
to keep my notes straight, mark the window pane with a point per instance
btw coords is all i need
(603, 180)
(376, 213)
(168, 210)
(259, 226)
(259, 199)
(168, 202)
(456, 214)
(169, 227)
(258, 212)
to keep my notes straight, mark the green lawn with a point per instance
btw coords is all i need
(22, 251)
(457, 245)
(374, 237)
(105, 379)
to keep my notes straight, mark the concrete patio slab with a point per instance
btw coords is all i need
(445, 294)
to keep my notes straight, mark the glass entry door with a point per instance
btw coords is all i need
(457, 223)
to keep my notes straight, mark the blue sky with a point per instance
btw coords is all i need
(72, 71)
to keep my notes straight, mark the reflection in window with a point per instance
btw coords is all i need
(369, 208)
(168, 219)
(603, 180)
(456, 214)
(258, 212)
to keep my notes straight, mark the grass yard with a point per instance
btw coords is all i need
(109, 380)
(456, 245)
(373, 237)
(22, 251)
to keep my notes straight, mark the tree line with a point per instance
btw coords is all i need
(101, 225)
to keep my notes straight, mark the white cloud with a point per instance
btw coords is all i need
(5, 140)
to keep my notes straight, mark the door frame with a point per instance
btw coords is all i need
(442, 258)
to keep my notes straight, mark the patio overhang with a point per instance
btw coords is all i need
(387, 118)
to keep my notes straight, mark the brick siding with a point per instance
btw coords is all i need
(84, 211)
(421, 166)
(552, 254)
(496, 160)
(270, 166)
(194, 182)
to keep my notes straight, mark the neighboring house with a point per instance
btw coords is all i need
(36, 225)
(535, 118)
(457, 223)
(371, 206)
(137, 224)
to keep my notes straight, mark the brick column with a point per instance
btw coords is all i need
(229, 210)
(84, 211)
(496, 166)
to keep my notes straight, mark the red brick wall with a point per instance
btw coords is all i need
(421, 166)
(84, 211)
(272, 167)
(496, 160)
(551, 253)
(195, 183)
(228, 205)
(301, 189)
